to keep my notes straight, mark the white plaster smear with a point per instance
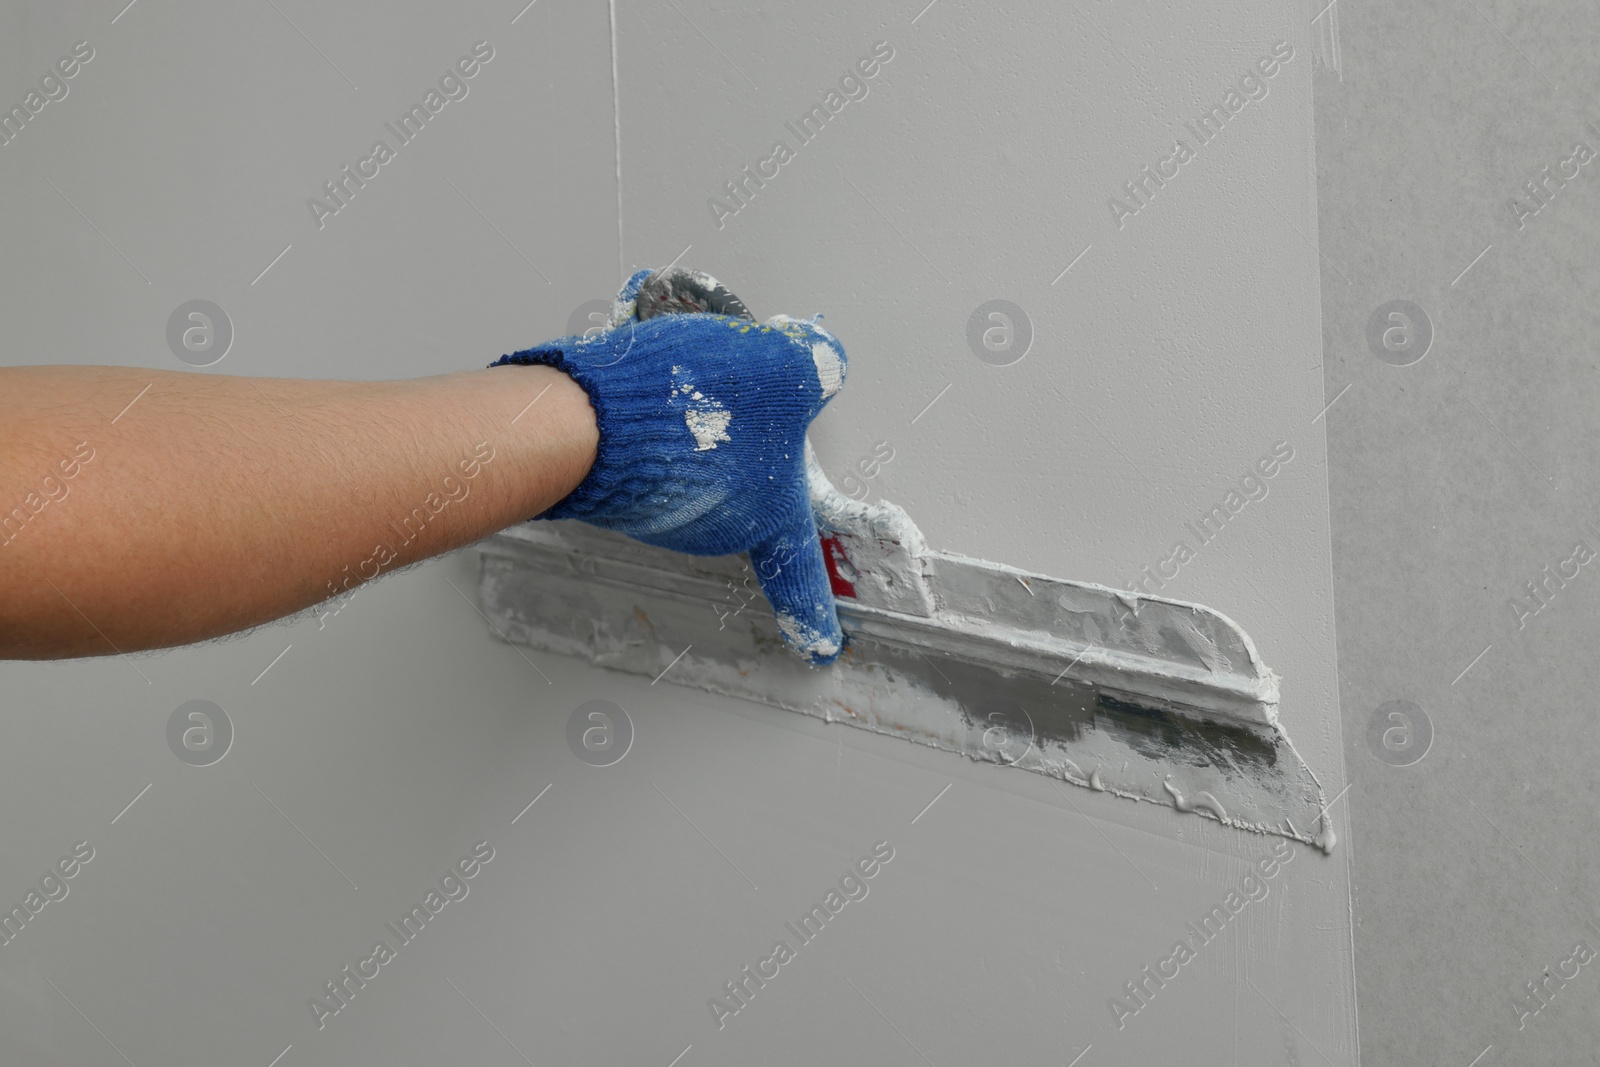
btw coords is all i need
(805, 638)
(705, 416)
(826, 354)
(830, 368)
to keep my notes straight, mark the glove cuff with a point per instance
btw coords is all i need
(629, 460)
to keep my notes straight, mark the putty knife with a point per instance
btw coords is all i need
(1144, 697)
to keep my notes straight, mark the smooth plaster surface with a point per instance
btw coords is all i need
(379, 747)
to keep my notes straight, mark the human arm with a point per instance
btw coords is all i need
(214, 503)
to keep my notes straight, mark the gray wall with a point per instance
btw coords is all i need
(1454, 482)
(381, 743)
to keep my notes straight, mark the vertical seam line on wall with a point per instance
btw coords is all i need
(616, 124)
(1328, 38)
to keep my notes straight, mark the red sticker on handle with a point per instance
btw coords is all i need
(833, 555)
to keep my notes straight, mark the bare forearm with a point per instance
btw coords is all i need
(214, 503)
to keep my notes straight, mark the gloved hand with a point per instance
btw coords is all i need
(702, 421)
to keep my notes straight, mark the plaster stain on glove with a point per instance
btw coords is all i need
(830, 369)
(824, 353)
(706, 418)
(806, 640)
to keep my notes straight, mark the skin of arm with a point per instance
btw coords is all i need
(142, 509)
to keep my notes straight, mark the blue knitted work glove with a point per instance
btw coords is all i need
(702, 421)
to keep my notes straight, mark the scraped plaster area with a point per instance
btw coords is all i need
(631, 912)
(1152, 380)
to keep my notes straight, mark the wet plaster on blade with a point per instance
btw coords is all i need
(888, 681)
(908, 565)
